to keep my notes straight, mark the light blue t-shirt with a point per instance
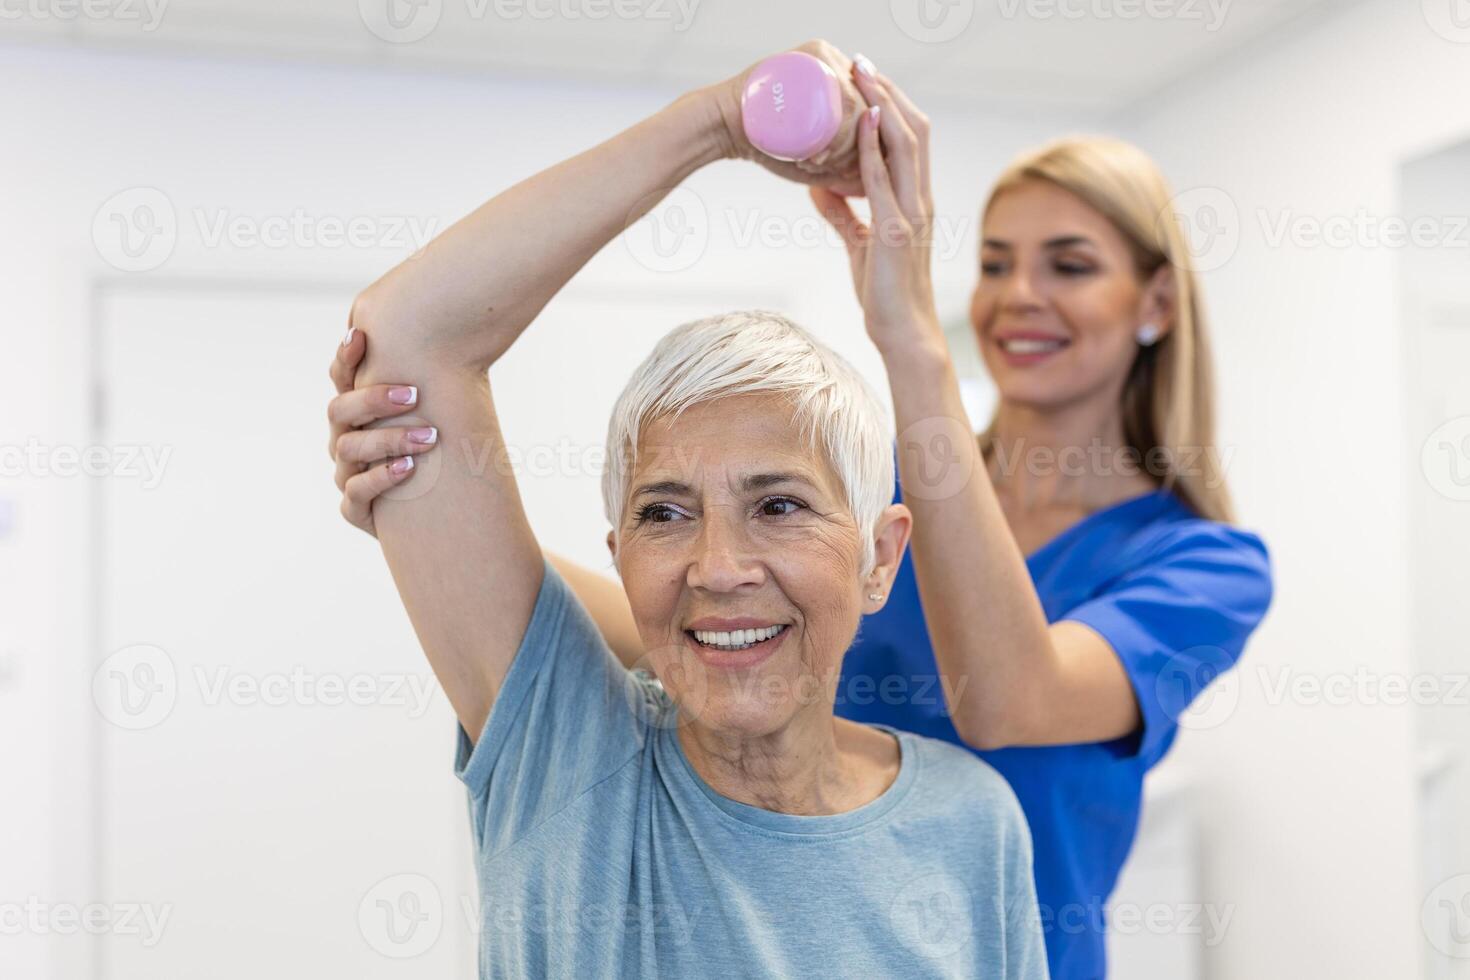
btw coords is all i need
(600, 852)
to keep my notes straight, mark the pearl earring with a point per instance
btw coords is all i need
(1148, 334)
(875, 596)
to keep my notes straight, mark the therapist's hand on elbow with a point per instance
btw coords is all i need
(370, 461)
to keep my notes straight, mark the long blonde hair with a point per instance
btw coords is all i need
(1168, 400)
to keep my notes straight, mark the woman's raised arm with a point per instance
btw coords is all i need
(455, 535)
(1014, 678)
(471, 291)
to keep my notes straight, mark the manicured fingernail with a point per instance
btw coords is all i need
(401, 465)
(347, 338)
(864, 66)
(873, 114)
(425, 436)
(403, 395)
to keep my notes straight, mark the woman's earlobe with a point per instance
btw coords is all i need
(1160, 308)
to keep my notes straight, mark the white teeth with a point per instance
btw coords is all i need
(1031, 346)
(735, 639)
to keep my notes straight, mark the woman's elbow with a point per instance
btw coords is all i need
(374, 314)
(409, 334)
(365, 316)
(986, 732)
(399, 349)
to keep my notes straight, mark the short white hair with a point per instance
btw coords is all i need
(754, 351)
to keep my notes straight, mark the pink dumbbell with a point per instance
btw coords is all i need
(792, 106)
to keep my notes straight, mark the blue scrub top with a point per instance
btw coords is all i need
(1176, 595)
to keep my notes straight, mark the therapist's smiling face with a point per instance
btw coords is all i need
(740, 560)
(1059, 299)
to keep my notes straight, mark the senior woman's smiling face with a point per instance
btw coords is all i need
(731, 524)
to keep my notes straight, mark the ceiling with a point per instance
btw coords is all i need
(1088, 55)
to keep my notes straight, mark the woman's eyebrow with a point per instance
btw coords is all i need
(764, 481)
(672, 487)
(1061, 241)
(1067, 241)
(755, 481)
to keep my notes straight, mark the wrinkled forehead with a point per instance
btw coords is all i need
(733, 444)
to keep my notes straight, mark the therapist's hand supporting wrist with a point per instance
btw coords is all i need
(890, 257)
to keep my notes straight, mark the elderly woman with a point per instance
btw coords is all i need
(719, 820)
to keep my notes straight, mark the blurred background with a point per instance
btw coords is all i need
(223, 752)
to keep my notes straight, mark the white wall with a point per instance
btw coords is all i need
(1436, 304)
(1310, 823)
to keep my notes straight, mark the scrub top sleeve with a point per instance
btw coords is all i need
(1178, 621)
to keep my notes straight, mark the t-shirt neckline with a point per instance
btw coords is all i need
(791, 824)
